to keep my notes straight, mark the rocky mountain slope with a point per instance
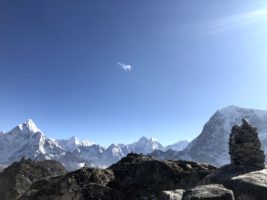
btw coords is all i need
(137, 177)
(178, 146)
(18, 177)
(211, 146)
(133, 177)
(26, 140)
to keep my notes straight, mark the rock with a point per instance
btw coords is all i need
(246, 176)
(250, 186)
(208, 192)
(86, 183)
(18, 177)
(245, 146)
(1, 168)
(172, 194)
(246, 182)
(134, 177)
(144, 175)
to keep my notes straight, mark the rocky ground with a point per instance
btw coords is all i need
(17, 178)
(246, 182)
(134, 177)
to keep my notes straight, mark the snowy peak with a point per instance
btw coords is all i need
(31, 126)
(233, 111)
(27, 127)
(211, 145)
(144, 145)
(73, 144)
(74, 140)
(147, 140)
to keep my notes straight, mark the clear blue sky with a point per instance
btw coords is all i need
(59, 65)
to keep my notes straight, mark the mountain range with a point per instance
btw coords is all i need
(210, 146)
(26, 140)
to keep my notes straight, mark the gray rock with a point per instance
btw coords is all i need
(208, 192)
(86, 183)
(172, 194)
(246, 182)
(133, 177)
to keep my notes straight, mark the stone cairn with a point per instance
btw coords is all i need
(245, 146)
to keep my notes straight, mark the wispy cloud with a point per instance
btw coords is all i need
(232, 22)
(125, 67)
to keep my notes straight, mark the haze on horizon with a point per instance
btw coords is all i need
(113, 71)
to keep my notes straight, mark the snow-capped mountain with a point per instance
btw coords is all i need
(211, 146)
(73, 144)
(144, 145)
(26, 140)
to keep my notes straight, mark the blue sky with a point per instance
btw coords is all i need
(113, 71)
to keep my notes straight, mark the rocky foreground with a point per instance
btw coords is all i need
(133, 177)
(17, 178)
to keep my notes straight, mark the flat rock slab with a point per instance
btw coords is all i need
(208, 192)
(250, 186)
(246, 183)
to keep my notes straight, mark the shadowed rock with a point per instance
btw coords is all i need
(18, 177)
(134, 177)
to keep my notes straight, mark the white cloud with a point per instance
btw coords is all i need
(125, 67)
(235, 21)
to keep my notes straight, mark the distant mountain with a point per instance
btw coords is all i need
(26, 140)
(73, 144)
(211, 146)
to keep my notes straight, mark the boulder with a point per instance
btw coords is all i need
(208, 192)
(246, 182)
(137, 175)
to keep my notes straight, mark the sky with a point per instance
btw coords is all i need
(111, 71)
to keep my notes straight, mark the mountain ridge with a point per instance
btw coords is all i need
(210, 146)
(26, 140)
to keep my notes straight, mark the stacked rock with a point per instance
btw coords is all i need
(245, 146)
